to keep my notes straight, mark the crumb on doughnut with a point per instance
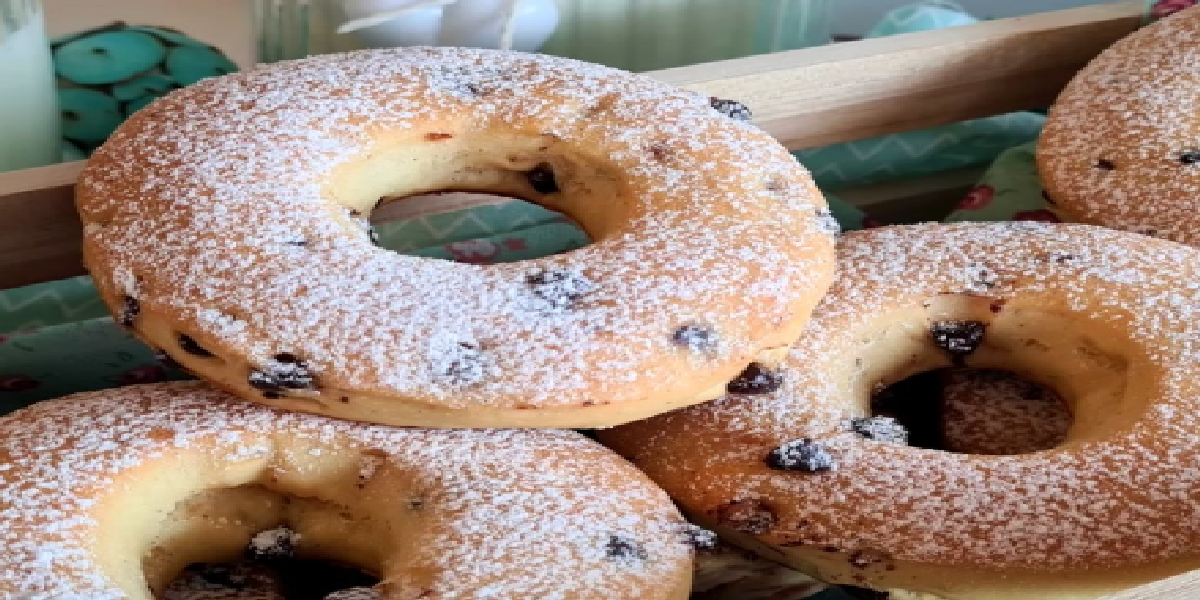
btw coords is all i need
(620, 547)
(695, 338)
(756, 379)
(959, 338)
(804, 455)
(880, 429)
(731, 108)
(273, 544)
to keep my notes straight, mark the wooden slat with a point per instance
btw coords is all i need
(805, 98)
(857, 90)
(39, 228)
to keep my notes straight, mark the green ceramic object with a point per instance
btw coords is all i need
(88, 116)
(107, 57)
(108, 73)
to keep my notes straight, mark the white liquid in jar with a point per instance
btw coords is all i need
(29, 120)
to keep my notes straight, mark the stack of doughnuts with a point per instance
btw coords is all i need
(377, 410)
(409, 419)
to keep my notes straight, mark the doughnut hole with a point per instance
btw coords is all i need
(320, 493)
(290, 579)
(535, 168)
(975, 411)
(900, 367)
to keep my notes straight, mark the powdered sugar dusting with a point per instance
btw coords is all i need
(520, 513)
(1115, 149)
(989, 412)
(203, 195)
(1130, 497)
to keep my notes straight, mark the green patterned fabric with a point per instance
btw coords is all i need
(894, 157)
(912, 154)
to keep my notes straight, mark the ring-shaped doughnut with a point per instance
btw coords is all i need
(806, 475)
(1119, 148)
(226, 225)
(109, 495)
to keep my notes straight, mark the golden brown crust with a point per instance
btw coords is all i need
(231, 212)
(1119, 148)
(103, 493)
(1109, 320)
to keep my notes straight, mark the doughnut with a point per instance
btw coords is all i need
(110, 495)
(227, 226)
(806, 475)
(995, 412)
(1119, 148)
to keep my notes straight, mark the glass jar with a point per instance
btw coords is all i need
(29, 121)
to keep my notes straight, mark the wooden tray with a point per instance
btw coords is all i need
(805, 98)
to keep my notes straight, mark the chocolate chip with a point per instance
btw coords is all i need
(752, 516)
(619, 547)
(130, 309)
(284, 372)
(827, 223)
(273, 544)
(1190, 157)
(695, 338)
(803, 455)
(755, 379)
(959, 338)
(415, 503)
(461, 364)
(166, 360)
(880, 429)
(189, 345)
(559, 289)
(699, 537)
(1105, 165)
(731, 108)
(541, 179)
